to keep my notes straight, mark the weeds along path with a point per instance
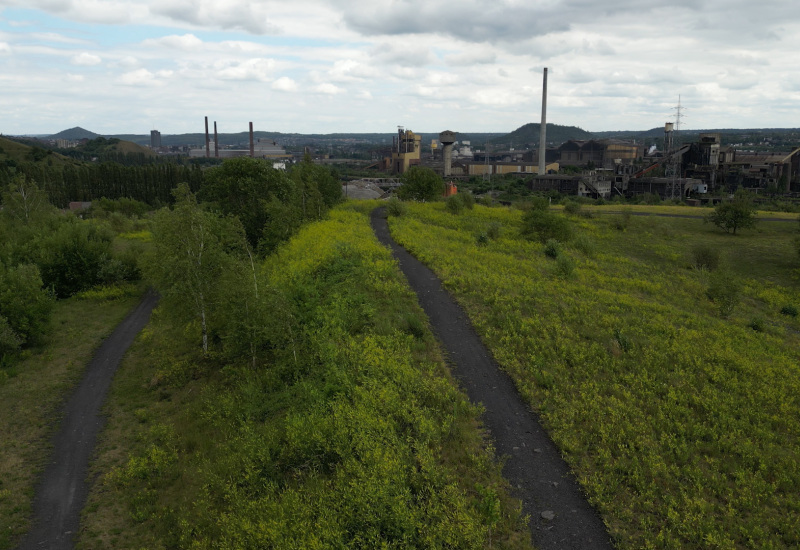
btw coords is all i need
(560, 516)
(62, 490)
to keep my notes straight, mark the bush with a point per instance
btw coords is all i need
(705, 257)
(395, 207)
(494, 230)
(724, 290)
(467, 199)
(544, 225)
(482, 239)
(552, 248)
(621, 221)
(789, 310)
(455, 205)
(757, 324)
(584, 244)
(565, 266)
(572, 207)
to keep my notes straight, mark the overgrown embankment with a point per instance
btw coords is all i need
(676, 412)
(347, 432)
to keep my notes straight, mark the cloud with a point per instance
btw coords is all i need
(86, 59)
(467, 59)
(284, 84)
(186, 43)
(252, 69)
(404, 55)
(75, 77)
(328, 89)
(142, 78)
(5, 48)
(230, 15)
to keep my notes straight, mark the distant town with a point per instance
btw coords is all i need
(693, 166)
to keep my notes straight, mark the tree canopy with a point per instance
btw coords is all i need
(420, 184)
(739, 213)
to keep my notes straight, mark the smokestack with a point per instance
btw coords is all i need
(208, 149)
(252, 145)
(216, 141)
(543, 128)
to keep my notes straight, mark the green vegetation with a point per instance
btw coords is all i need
(420, 184)
(679, 423)
(738, 213)
(345, 432)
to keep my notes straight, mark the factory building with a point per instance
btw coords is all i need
(599, 153)
(406, 151)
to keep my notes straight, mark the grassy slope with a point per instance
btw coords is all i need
(13, 150)
(355, 436)
(682, 426)
(31, 393)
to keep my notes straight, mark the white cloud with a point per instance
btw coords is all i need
(140, 77)
(86, 59)
(328, 89)
(75, 77)
(252, 69)
(5, 48)
(284, 84)
(186, 43)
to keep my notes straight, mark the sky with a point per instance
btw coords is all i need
(325, 66)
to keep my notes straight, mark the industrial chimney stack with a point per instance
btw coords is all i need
(216, 141)
(252, 145)
(208, 147)
(543, 128)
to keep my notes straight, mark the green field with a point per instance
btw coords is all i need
(680, 423)
(349, 433)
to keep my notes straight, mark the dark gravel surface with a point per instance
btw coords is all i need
(560, 516)
(63, 488)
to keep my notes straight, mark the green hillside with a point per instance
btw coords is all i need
(13, 152)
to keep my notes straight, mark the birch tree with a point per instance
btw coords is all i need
(190, 256)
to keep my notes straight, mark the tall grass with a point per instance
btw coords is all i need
(679, 423)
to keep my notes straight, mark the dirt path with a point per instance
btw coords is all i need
(63, 489)
(533, 466)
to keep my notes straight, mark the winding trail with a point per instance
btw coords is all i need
(63, 488)
(560, 516)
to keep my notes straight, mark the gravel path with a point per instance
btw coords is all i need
(561, 518)
(63, 488)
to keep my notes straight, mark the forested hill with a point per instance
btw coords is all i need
(529, 135)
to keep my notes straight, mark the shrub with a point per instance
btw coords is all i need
(789, 310)
(395, 207)
(757, 324)
(455, 205)
(494, 230)
(705, 256)
(482, 239)
(724, 289)
(584, 244)
(622, 220)
(565, 266)
(467, 199)
(552, 248)
(544, 225)
(572, 207)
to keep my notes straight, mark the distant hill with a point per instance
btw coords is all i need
(529, 135)
(74, 134)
